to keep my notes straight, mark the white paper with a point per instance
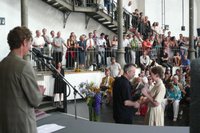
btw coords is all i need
(49, 128)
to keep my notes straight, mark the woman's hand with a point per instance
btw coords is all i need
(144, 91)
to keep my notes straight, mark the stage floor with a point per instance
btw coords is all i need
(72, 125)
(106, 122)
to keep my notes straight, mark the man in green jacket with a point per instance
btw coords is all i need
(19, 91)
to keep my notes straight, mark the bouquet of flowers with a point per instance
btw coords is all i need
(92, 93)
(88, 89)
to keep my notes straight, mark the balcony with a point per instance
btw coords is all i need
(91, 10)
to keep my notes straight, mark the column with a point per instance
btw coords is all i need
(120, 50)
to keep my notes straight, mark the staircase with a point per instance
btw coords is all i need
(92, 12)
(47, 103)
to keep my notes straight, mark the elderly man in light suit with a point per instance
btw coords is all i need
(19, 91)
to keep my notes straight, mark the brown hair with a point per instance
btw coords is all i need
(157, 70)
(17, 35)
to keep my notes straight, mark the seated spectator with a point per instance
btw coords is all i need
(144, 61)
(177, 59)
(147, 73)
(143, 77)
(146, 44)
(178, 84)
(181, 76)
(185, 63)
(173, 97)
(167, 78)
(165, 60)
(106, 85)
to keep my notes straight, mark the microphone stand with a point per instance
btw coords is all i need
(60, 76)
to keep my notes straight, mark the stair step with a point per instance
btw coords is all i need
(45, 104)
(101, 19)
(49, 109)
(96, 16)
(112, 26)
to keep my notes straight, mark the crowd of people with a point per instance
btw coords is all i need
(156, 87)
(146, 46)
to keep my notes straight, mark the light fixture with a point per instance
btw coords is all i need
(183, 27)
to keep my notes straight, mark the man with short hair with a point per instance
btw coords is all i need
(122, 103)
(19, 93)
(58, 48)
(101, 44)
(38, 43)
(47, 45)
(90, 46)
(115, 68)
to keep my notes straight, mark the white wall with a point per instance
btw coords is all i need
(173, 14)
(12, 18)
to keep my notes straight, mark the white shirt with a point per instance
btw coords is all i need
(90, 40)
(145, 61)
(100, 43)
(38, 42)
(125, 43)
(115, 69)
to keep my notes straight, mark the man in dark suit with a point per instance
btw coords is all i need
(19, 91)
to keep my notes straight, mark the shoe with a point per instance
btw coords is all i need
(174, 120)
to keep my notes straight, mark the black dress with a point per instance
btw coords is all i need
(59, 84)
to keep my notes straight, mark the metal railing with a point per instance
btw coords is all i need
(77, 58)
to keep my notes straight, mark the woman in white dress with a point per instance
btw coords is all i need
(155, 113)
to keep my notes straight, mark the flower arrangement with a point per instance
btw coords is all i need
(93, 96)
(88, 89)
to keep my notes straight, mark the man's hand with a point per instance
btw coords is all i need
(131, 103)
(42, 89)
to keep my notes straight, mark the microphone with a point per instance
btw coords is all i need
(38, 53)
